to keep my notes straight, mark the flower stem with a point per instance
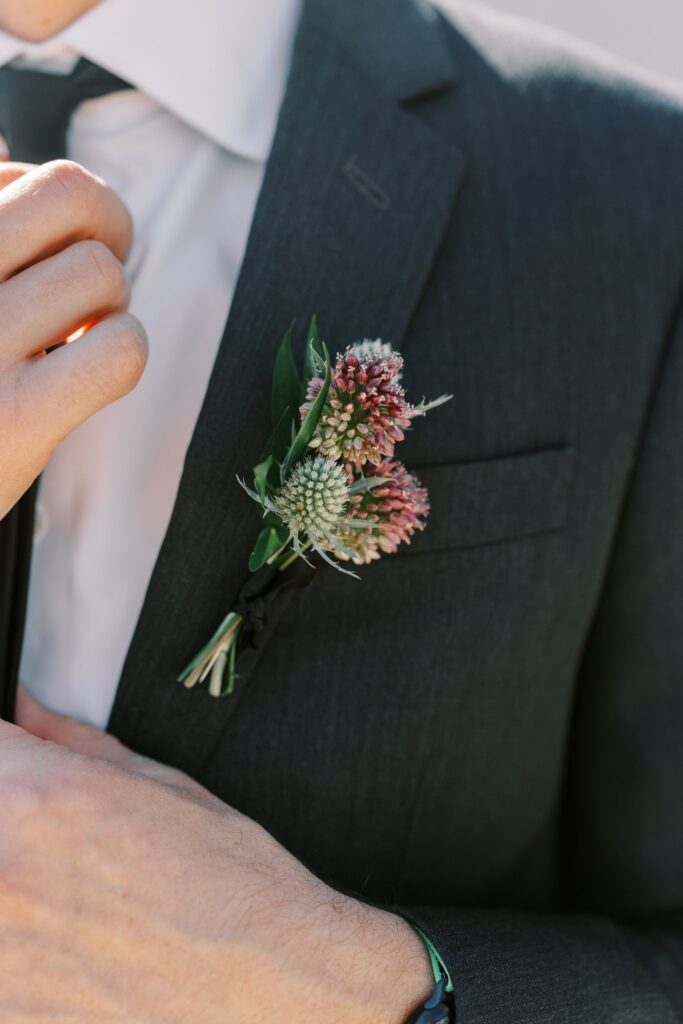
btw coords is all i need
(215, 657)
(274, 557)
(281, 566)
(218, 657)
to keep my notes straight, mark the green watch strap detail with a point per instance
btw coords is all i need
(439, 968)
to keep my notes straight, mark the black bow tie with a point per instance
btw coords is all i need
(36, 106)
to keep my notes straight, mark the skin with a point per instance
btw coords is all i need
(129, 893)
(35, 20)
(63, 237)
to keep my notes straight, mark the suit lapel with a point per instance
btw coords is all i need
(355, 200)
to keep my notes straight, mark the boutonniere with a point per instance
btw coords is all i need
(328, 487)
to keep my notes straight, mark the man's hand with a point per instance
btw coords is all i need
(128, 893)
(63, 235)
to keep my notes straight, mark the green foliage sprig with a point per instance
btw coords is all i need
(289, 441)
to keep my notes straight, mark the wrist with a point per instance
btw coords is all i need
(327, 956)
(402, 969)
(383, 967)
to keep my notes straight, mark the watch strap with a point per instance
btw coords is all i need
(437, 1008)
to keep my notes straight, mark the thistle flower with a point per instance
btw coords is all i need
(312, 504)
(314, 498)
(392, 509)
(366, 410)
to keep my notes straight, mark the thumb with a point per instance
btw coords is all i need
(80, 738)
(70, 733)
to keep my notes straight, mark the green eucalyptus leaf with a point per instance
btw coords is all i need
(279, 442)
(286, 382)
(261, 473)
(269, 542)
(314, 365)
(307, 428)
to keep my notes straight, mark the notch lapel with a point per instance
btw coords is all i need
(354, 203)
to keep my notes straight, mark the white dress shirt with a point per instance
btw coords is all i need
(186, 151)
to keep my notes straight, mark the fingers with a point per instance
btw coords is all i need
(48, 301)
(9, 172)
(63, 235)
(77, 380)
(53, 206)
(10, 731)
(68, 732)
(86, 740)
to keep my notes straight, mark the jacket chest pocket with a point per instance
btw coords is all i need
(492, 500)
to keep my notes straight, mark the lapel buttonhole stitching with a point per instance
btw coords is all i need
(364, 184)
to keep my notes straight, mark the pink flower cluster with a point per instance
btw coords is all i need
(366, 410)
(365, 415)
(394, 511)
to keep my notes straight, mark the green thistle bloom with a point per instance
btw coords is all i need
(314, 498)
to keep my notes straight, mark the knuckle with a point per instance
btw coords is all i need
(105, 266)
(131, 351)
(72, 178)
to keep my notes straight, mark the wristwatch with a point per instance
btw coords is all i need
(440, 1007)
(436, 1010)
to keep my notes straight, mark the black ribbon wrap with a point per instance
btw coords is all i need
(264, 597)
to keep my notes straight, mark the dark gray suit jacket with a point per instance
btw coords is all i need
(487, 731)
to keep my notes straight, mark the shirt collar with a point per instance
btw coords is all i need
(223, 68)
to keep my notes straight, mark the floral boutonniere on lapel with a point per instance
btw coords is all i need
(328, 486)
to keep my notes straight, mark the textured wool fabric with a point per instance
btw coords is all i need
(483, 734)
